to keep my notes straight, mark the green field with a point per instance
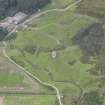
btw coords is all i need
(12, 79)
(45, 49)
(54, 32)
(92, 8)
(29, 100)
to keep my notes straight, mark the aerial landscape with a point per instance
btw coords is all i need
(52, 52)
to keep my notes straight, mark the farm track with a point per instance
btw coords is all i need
(31, 75)
(34, 16)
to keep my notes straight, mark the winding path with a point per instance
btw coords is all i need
(51, 10)
(43, 83)
(34, 16)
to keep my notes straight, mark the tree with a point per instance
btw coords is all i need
(92, 98)
(3, 33)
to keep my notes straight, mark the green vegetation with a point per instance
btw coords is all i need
(14, 80)
(3, 33)
(90, 39)
(92, 7)
(30, 100)
(46, 50)
(92, 98)
(52, 33)
(58, 4)
(11, 78)
(62, 3)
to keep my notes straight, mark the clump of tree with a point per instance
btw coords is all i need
(90, 39)
(3, 33)
(92, 98)
(13, 36)
(92, 7)
(30, 48)
(10, 7)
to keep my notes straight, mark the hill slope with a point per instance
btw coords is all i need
(92, 7)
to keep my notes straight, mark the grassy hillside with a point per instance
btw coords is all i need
(12, 79)
(92, 7)
(30, 100)
(45, 48)
(54, 31)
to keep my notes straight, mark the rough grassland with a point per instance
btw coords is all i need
(53, 32)
(12, 79)
(29, 100)
(92, 7)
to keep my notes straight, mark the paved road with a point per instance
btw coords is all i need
(34, 16)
